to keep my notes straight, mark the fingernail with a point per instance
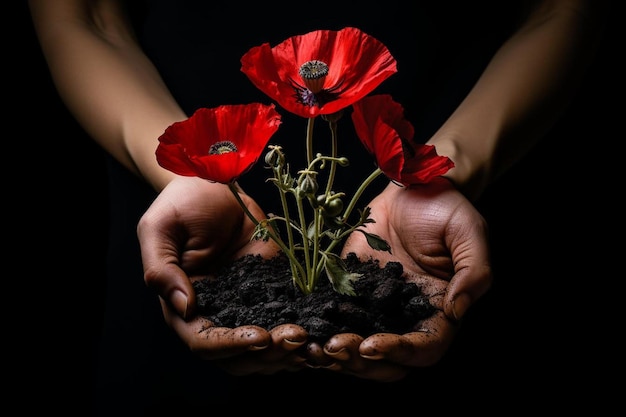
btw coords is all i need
(376, 356)
(294, 342)
(254, 348)
(179, 301)
(460, 305)
(341, 354)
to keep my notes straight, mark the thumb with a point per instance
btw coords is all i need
(466, 287)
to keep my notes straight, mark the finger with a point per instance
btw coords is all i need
(161, 270)
(283, 354)
(467, 285)
(316, 358)
(218, 342)
(344, 349)
(289, 337)
(472, 275)
(420, 348)
(286, 339)
(211, 342)
(174, 287)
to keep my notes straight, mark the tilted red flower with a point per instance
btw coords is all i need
(218, 144)
(380, 124)
(321, 72)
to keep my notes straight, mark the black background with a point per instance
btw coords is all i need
(555, 219)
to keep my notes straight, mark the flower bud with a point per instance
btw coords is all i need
(308, 184)
(274, 157)
(334, 207)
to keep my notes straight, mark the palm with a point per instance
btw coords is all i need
(440, 239)
(417, 223)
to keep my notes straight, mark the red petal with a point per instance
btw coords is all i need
(380, 124)
(357, 62)
(424, 166)
(184, 146)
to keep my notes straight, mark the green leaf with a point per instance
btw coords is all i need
(376, 242)
(261, 232)
(338, 274)
(311, 232)
(365, 213)
(333, 223)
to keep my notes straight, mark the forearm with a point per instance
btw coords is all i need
(521, 93)
(107, 82)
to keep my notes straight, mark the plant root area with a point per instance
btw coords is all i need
(261, 292)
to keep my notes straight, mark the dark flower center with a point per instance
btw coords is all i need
(313, 93)
(222, 147)
(314, 74)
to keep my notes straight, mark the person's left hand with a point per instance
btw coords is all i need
(441, 240)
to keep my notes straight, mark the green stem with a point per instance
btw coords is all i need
(309, 140)
(360, 191)
(333, 154)
(350, 207)
(296, 268)
(317, 265)
(305, 241)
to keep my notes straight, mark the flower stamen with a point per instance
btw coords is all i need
(314, 73)
(222, 147)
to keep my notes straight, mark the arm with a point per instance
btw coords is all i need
(521, 93)
(437, 234)
(106, 81)
(119, 98)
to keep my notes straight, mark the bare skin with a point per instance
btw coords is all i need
(440, 239)
(192, 228)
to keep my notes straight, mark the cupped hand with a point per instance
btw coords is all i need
(441, 240)
(192, 228)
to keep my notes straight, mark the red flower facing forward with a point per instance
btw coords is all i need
(321, 72)
(380, 124)
(218, 144)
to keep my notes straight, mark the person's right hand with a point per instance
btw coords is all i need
(191, 228)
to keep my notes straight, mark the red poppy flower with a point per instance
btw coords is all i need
(218, 144)
(321, 72)
(380, 124)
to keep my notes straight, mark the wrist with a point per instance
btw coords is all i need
(468, 175)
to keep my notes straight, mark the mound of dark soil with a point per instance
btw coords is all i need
(256, 291)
